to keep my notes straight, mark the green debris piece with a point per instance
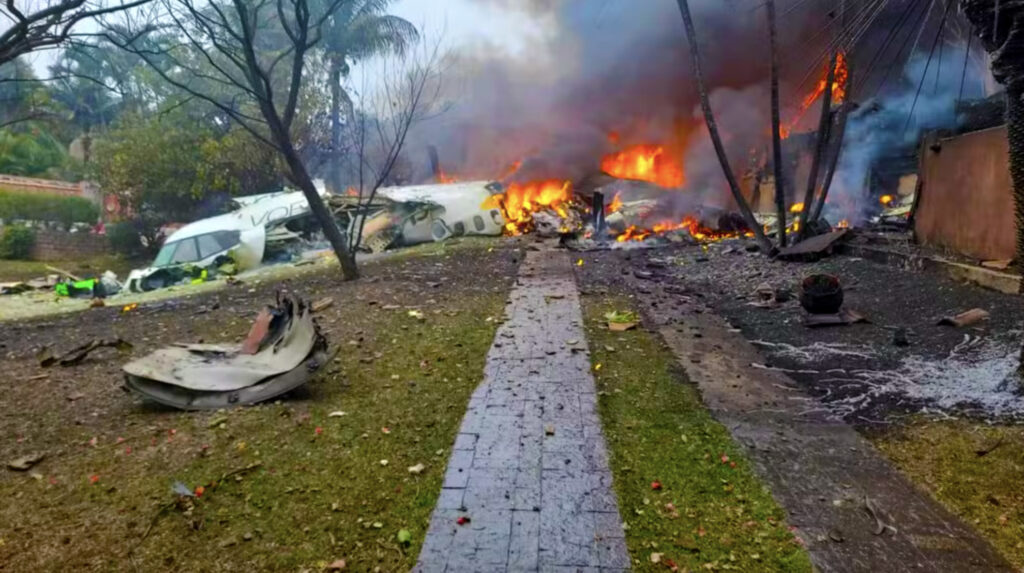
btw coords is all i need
(621, 317)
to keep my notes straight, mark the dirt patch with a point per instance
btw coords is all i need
(321, 491)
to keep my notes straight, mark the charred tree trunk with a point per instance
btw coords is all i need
(716, 140)
(844, 114)
(780, 187)
(824, 129)
(837, 152)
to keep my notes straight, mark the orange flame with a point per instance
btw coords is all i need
(690, 224)
(838, 93)
(645, 162)
(520, 201)
(511, 170)
(444, 178)
(615, 205)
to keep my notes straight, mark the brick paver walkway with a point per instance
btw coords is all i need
(529, 467)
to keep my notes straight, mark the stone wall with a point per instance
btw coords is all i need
(63, 246)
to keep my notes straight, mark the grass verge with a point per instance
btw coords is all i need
(975, 470)
(687, 495)
(313, 486)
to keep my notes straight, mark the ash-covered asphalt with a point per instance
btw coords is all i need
(856, 371)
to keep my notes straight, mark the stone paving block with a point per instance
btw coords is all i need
(608, 525)
(465, 442)
(461, 458)
(612, 552)
(600, 496)
(455, 477)
(524, 544)
(489, 489)
(482, 541)
(567, 538)
(434, 554)
(450, 498)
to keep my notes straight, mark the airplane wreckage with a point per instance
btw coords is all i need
(279, 226)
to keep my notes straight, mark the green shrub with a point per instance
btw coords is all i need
(125, 239)
(16, 242)
(19, 206)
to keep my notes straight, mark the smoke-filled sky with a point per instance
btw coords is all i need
(546, 81)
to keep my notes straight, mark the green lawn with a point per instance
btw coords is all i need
(987, 490)
(314, 487)
(686, 492)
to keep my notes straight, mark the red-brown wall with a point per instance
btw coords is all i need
(966, 202)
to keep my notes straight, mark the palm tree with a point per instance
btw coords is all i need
(358, 29)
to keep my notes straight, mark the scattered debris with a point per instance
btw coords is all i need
(986, 451)
(322, 304)
(209, 376)
(998, 265)
(25, 463)
(901, 337)
(814, 248)
(880, 525)
(973, 316)
(417, 469)
(337, 565)
(75, 355)
(844, 317)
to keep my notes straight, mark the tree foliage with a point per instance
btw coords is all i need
(167, 168)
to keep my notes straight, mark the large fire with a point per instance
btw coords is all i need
(838, 85)
(689, 224)
(646, 162)
(521, 200)
(838, 93)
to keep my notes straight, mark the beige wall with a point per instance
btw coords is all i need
(966, 202)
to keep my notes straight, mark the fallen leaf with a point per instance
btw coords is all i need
(655, 485)
(94, 479)
(385, 430)
(199, 491)
(383, 462)
(656, 557)
(319, 430)
(417, 469)
(404, 537)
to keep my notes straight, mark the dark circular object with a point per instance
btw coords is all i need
(821, 294)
